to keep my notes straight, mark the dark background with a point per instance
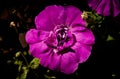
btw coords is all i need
(98, 65)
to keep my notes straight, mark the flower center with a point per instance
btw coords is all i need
(61, 34)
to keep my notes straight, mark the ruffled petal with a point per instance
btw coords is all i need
(70, 42)
(34, 36)
(69, 63)
(46, 55)
(93, 6)
(49, 17)
(78, 24)
(116, 7)
(85, 37)
(74, 19)
(73, 16)
(55, 62)
(45, 59)
(50, 60)
(82, 51)
(38, 49)
(105, 7)
(51, 40)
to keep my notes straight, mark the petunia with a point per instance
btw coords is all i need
(61, 39)
(105, 7)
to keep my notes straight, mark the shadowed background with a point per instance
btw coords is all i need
(22, 13)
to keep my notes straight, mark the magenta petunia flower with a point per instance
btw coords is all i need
(105, 7)
(61, 40)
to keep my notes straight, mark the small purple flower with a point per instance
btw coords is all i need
(105, 7)
(61, 40)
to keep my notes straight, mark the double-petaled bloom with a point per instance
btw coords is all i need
(61, 39)
(105, 7)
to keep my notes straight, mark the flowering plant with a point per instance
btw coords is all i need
(61, 39)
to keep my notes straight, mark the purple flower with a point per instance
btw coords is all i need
(105, 7)
(61, 40)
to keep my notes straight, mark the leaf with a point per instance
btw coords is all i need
(113, 75)
(23, 75)
(17, 54)
(109, 38)
(92, 18)
(34, 64)
(49, 77)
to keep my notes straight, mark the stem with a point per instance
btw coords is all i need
(28, 64)
(35, 74)
(25, 60)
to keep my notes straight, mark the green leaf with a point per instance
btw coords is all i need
(92, 18)
(24, 73)
(17, 54)
(109, 38)
(34, 64)
(49, 77)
